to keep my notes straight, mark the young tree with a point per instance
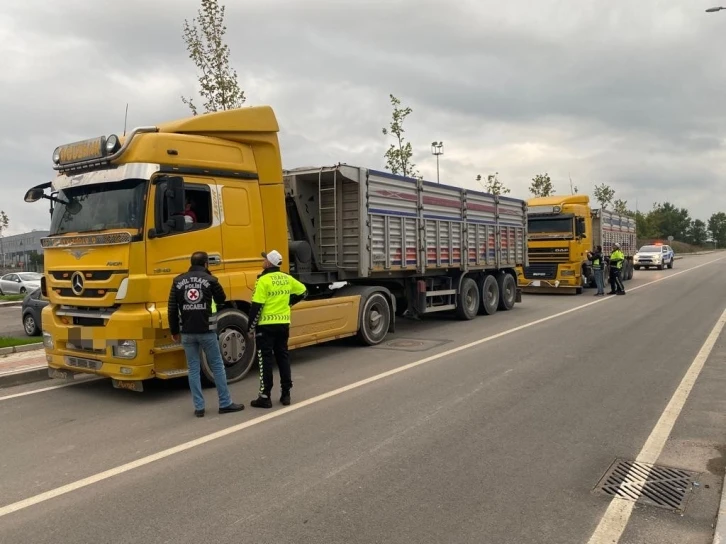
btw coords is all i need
(717, 228)
(4, 222)
(400, 154)
(604, 194)
(621, 206)
(493, 185)
(204, 38)
(542, 185)
(698, 234)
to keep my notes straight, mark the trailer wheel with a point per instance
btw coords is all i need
(374, 320)
(467, 301)
(238, 355)
(489, 295)
(507, 291)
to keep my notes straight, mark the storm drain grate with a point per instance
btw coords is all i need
(644, 483)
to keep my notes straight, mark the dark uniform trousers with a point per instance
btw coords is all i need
(272, 346)
(616, 282)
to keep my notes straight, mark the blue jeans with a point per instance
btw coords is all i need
(600, 281)
(208, 342)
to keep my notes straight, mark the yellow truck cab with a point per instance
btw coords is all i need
(127, 213)
(561, 230)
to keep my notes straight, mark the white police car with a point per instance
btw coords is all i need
(657, 255)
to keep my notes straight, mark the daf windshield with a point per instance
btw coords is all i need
(550, 226)
(90, 208)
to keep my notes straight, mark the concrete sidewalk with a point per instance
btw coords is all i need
(24, 367)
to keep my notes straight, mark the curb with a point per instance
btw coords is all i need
(719, 534)
(21, 349)
(22, 377)
(11, 304)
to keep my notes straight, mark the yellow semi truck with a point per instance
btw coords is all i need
(126, 213)
(561, 230)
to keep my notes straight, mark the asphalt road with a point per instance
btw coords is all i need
(11, 323)
(495, 430)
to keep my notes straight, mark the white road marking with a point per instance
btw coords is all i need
(616, 517)
(49, 388)
(143, 461)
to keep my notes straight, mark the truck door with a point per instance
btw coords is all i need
(168, 255)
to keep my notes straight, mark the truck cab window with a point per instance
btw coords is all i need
(197, 207)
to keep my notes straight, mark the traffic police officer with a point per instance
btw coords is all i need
(191, 300)
(275, 292)
(617, 258)
(597, 268)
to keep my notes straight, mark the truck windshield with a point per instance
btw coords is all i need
(88, 208)
(559, 226)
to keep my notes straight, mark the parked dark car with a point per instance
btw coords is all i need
(33, 305)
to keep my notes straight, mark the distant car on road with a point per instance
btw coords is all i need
(20, 283)
(31, 311)
(658, 255)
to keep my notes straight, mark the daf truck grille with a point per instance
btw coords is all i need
(549, 255)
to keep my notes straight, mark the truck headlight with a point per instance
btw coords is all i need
(125, 349)
(48, 340)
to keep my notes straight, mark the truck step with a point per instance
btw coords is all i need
(166, 348)
(443, 308)
(173, 373)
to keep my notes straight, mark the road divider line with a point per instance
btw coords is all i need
(49, 388)
(613, 523)
(143, 461)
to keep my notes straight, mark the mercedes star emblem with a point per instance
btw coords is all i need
(77, 283)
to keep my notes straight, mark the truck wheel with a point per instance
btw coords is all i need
(507, 292)
(374, 320)
(467, 301)
(238, 355)
(489, 296)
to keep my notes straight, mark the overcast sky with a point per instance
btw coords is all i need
(630, 93)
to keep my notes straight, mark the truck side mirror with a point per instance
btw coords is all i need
(33, 195)
(170, 204)
(580, 227)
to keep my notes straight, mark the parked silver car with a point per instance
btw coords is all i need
(20, 283)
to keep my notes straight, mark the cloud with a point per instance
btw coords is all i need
(626, 93)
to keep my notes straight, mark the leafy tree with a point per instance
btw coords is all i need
(604, 194)
(493, 185)
(717, 228)
(400, 154)
(697, 234)
(542, 185)
(621, 206)
(643, 225)
(4, 222)
(667, 220)
(204, 38)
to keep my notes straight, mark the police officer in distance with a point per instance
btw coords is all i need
(191, 300)
(617, 258)
(597, 268)
(275, 292)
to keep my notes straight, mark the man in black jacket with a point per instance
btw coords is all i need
(191, 298)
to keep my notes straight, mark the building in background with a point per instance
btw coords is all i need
(22, 251)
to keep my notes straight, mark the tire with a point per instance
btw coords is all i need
(375, 318)
(30, 325)
(237, 356)
(507, 292)
(637, 268)
(670, 265)
(578, 290)
(489, 292)
(467, 301)
(661, 267)
(22, 290)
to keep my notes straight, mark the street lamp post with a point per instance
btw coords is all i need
(437, 148)
(714, 10)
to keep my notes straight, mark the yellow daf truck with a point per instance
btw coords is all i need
(127, 212)
(561, 230)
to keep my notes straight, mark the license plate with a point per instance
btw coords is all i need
(59, 374)
(129, 385)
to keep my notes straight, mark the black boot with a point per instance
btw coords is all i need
(285, 398)
(261, 402)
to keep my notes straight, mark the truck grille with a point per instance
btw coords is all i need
(549, 254)
(541, 271)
